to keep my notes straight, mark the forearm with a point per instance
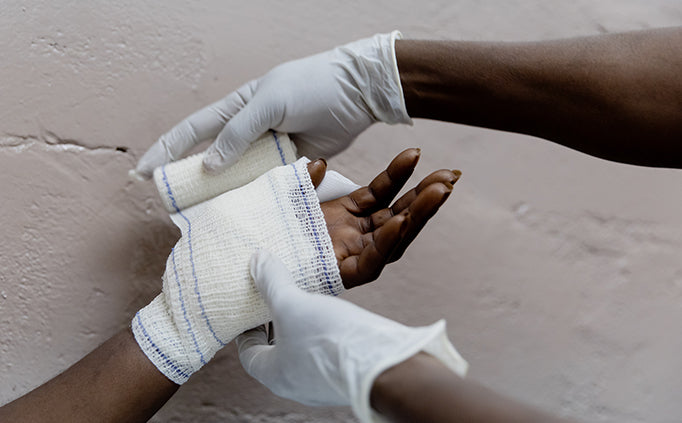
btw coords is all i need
(616, 96)
(422, 389)
(114, 383)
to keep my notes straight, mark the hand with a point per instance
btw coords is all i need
(367, 232)
(329, 351)
(323, 101)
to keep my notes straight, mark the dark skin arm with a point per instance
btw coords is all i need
(117, 383)
(422, 389)
(618, 97)
(114, 383)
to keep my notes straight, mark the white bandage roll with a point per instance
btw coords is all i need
(192, 184)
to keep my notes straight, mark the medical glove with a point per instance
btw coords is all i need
(323, 101)
(328, 351)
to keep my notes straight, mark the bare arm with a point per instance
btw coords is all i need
(114, 383)
(422, 389)
(617, 97)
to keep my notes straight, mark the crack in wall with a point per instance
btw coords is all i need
(51, 139)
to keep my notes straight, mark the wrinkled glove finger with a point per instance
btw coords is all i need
(252, 121)
(200, 126)
(273, 280)
(253, 350)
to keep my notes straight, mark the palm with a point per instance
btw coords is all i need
(367, 232)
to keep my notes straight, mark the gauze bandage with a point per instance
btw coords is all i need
(192, 185)
(208, 296)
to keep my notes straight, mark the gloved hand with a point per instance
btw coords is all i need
(329, 351)
(323, 101)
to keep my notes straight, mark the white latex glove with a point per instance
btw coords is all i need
(323, 101)
(329, 351)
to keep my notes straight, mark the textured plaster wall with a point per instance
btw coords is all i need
(559, 274)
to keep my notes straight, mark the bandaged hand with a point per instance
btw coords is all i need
(323, 101)
(208, 297)
(328, 351)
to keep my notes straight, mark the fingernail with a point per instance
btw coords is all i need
(417, 156)
(321, 159)
(458, 174)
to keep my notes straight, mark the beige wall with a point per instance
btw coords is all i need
(559, 274)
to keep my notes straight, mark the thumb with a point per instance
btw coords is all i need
(273, 280)
(239, 132)
(254, 351)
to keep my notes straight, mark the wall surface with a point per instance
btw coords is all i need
(560, 275)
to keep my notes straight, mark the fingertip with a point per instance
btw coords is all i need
(251, 337)
(450, 184)
(317, 170)
(269, 273)
(402, 166)
(415, 153)
(249, 343)
(255, 264)
(137, 175)
(444, 195)
(214, 162)
(412, 153)
(458, 174)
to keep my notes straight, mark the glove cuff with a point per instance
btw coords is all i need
(399, 111)
(372, 65)
(386, 99)
(158, 337)
(431, 339)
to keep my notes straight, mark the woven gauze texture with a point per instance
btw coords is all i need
(192, 185)
(208, 295)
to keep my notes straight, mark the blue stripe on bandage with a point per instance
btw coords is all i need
(184, 311)
(167, 360)
(315, 234)
(279, 147)
(191, 256)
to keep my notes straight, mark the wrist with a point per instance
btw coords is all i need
(394, 391)
(416, 77)
(422, 389)
(159, 339)
(431, 78)
(431, 339)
